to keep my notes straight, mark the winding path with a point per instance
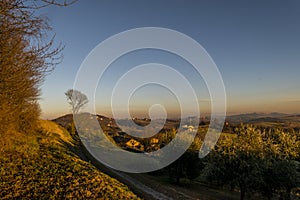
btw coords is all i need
(141, 189)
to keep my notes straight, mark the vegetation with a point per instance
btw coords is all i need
(38, 158)
(36, 161)
(76, 99)
(42, 166)
(25, 58)
(257, 161)
(254, 161)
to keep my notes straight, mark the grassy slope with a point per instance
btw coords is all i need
(41, 166)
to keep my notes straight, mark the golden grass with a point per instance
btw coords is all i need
(53, 129)
(41, 166)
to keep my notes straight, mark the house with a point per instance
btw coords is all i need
(188, 127)
(191, 128)
(154, 140)
(133, 144)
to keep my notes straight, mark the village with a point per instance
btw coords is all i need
(134, 144)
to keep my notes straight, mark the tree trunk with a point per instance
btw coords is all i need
(242, 196)
(242, 190)
(288, 193)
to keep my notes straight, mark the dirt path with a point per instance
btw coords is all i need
(136, 186)
(144, 188)
(139, 184)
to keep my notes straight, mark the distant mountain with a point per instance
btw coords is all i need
(267, 119)
(255, 117)
(287, 120)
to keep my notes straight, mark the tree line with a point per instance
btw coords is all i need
(252, 161)
(27, 55)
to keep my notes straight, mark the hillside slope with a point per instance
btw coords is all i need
(42, 166)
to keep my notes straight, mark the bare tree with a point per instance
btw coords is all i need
(76, 99)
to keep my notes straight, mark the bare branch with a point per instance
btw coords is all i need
(76, 99)
(57, 3)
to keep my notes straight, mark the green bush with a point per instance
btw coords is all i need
(256, 161)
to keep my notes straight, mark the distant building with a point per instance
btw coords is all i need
(154, 140)
(135, 144)
(188, 127)
(191, 128)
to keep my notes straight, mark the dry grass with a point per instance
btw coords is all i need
(41, 166)
(53, 129)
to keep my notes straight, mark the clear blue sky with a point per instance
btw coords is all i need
(255, 45)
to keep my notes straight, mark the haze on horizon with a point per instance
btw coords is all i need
(255, 45)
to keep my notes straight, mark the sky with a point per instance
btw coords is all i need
(255, 45)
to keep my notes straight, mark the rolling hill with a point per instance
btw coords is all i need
(44, 165)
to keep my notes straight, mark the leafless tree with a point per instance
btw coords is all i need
(76, 99)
